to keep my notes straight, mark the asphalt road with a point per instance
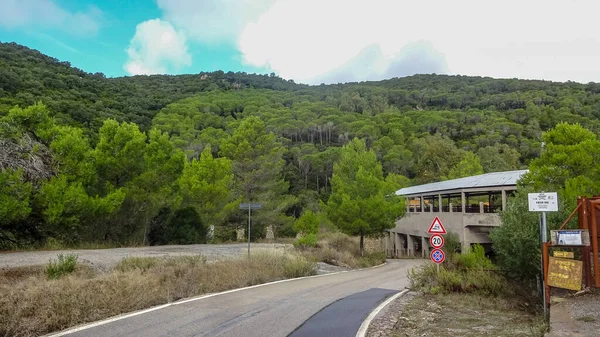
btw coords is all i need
(343, 318)
(274, 310)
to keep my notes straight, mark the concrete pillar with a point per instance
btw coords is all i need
(463, 201)
(407, 205)
(398, 245)
(503, 200)
(410, 245)
(424, 247)
(466, 246)
(422, 203)
(440, 201)
(481, 207)
(431, 205)
(450, 205)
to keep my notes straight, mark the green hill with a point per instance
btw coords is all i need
(422, 128)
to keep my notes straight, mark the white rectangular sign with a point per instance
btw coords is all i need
(543, 202)
(569, 238)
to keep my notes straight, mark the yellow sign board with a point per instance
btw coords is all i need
(565, 255)
(566, 274)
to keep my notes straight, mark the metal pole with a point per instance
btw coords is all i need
(249, 216)
(544, 228)
(543, 239)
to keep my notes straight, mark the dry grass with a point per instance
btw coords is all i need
(467, 315)
(31, 305)
(342, 250)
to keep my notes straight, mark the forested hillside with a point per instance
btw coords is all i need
(156, 159)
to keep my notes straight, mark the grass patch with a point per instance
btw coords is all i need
(35, 305)
(587, 319)
(471, 314)
(65, 264)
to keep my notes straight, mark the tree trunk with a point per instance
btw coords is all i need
(362, 243)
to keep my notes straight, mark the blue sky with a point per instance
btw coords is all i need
(105, 49)
(315, 41)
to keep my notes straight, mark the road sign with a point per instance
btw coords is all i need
(250, 206)
(436, 241)
(436, 227)
(543, 202)
(437, 256)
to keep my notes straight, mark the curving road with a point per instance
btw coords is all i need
(271, 310)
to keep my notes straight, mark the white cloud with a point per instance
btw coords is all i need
(332, 40)
(48, 14)
(212, 21)
(156, 48)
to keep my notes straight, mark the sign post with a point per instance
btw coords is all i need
(249, 207)
(436, 229)
(543, 202)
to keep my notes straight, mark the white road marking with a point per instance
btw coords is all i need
(362, 331)
(201, 297)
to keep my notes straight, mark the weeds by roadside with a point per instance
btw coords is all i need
(35, 305)
(466, 314)
(342, 250)
(470, 297)
(65, 264)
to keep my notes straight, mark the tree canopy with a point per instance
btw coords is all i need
(89, 158)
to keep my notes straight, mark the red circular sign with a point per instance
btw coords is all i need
(436, 241)
(437, 256)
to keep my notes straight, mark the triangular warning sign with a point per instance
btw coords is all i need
(436, 227)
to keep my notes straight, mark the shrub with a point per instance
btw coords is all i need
(517, 242)
(473, 259)
(340, 242)
(298, 267)
(133, 263)
(471, 272)
(307, 223)
(452, 244)
(309, 240)
(371, 259)
(64, 265)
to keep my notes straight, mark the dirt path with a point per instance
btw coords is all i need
(106, 258)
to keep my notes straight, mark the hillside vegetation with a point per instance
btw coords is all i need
(157, 159)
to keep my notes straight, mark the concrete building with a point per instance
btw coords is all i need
(466, 206)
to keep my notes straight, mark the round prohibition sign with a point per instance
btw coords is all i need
(436, 241)
(437, 256)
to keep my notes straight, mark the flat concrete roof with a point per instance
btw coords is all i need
(493, 179)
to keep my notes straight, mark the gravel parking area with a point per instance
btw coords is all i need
(107, 258)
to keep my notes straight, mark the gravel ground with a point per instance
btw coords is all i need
(576, 316)
(106, 258)
(325, 268)
(386, 319)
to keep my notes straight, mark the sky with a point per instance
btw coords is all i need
(315, 41)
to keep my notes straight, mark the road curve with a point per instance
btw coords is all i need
(274, 310)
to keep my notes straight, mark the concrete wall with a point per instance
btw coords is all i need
(470, 227)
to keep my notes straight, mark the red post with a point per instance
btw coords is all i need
(594, 238)
(583, 220)
(545, 260)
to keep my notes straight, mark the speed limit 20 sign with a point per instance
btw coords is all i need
(436, 241)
